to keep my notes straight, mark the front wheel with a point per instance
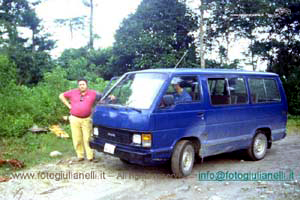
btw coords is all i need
(125, 161)
(183, 158)
(258, 148)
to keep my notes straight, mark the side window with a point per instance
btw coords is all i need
(218, 89)
(264, 90)
(238, 92)
(182, 89)
(227, 91)
(272, 90)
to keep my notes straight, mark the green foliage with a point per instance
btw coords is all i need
(30, 65)
(215, 64)
(75, 23)
(156, 35)
(7, 72)
(234, 19)
(22, 106)
(282, 51)
(29, 54)
(75, 62)
(292, 89)
(48, 109)
(279, 21)
(101, 60)
(293, 124)
(86, 63)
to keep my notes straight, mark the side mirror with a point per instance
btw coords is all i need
(168, 100)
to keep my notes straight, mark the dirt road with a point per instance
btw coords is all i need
(112, 179)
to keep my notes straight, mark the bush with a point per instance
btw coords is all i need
(22, 106)
(15, 110)
(47, 108)
(8, 72)
(292, 89)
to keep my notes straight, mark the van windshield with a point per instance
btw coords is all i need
(136, 91)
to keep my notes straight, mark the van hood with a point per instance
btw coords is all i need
(121, 117)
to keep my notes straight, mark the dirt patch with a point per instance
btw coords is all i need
(111, 179)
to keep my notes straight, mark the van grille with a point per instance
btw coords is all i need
(115, 135)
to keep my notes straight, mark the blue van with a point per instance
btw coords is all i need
(172, 115)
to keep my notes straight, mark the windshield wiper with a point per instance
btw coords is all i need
(136, 109)
(118, 106)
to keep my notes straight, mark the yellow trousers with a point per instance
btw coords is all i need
(81, 134)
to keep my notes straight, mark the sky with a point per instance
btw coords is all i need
(108, 15)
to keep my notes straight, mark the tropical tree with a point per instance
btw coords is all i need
(74, 23)
(90, 4)
(282, 49)
(30, 54)
(233, 20)
(83, 62)
(156, 35)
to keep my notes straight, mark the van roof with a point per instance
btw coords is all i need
(207, 71)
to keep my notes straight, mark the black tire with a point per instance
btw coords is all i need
(125, 161)
(183, 158)
(258, 148)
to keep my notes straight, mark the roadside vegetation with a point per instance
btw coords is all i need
(22, 107)
(33, 149)
(293, 124)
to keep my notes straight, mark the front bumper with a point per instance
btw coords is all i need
(135, 155)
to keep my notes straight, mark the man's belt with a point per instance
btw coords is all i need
(81, 116)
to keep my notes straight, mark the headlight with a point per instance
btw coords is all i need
(96, 132)
(145, 140)
(136, 139)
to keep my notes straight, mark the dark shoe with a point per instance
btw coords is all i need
(79, 159)
(93, 160)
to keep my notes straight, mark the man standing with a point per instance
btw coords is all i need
(80, 102)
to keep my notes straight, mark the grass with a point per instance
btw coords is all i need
(293, 124)
(34, 149)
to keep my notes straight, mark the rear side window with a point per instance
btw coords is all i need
(238, 92)
(264, 90)
(227, 91)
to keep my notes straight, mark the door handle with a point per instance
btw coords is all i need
(200, 115)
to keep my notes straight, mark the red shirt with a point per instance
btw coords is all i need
(81, 106)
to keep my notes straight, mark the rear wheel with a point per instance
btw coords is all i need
(258, 148)
(183, 158)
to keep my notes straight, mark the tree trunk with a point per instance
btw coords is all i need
(252, 55)
(33, 41)
(202, 36)
(227, 46)
(91, 43)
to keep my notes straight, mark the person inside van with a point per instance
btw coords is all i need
(181, 95)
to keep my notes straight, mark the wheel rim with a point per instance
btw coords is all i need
(187, 159)
(260, 146)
